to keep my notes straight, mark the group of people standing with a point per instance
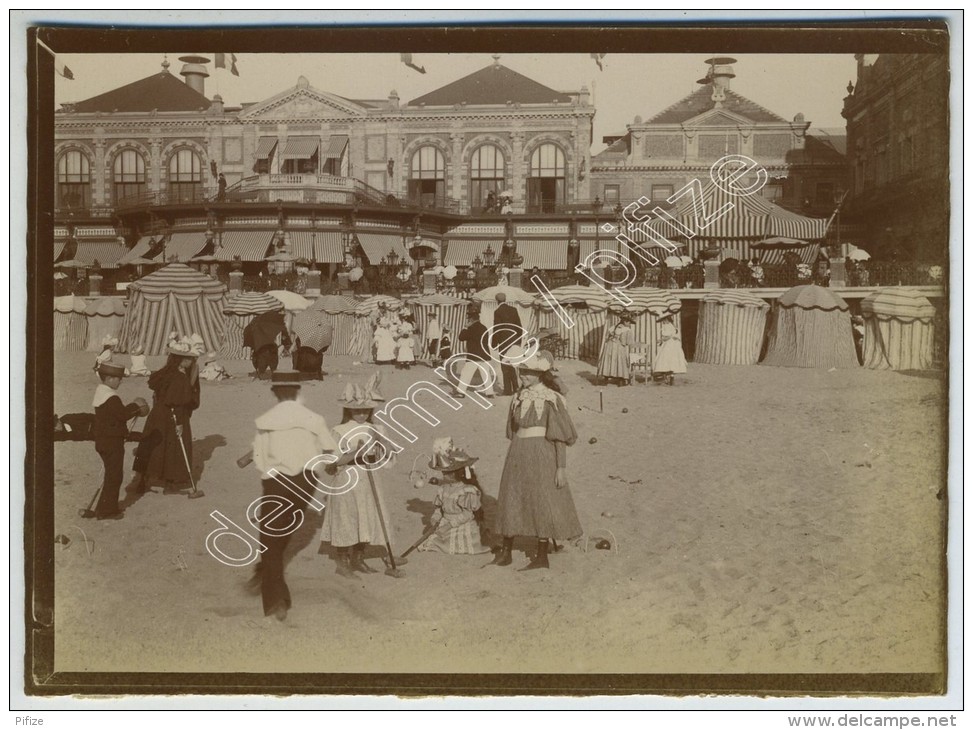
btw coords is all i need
(621, 351)
(394, 340)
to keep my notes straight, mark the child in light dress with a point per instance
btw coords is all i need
(212, 370)
(138, 366)
(458, 503)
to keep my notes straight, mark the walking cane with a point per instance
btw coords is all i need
(196, 493)
(392, 570)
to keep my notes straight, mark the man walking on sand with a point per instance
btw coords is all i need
(507, 333)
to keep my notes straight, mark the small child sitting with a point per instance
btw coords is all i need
(457, 503)
(138, 366)
(108, 345)
(212, 370)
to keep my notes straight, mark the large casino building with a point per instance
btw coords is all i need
(494, 166)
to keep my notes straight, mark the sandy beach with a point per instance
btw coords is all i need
(764, 520)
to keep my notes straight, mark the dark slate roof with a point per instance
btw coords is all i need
(701, 101)
(494, 84)
(830, 139)
(162, 91)
(618, 148)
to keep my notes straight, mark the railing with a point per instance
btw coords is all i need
(894, 273)
(90, 211)
(437, 203)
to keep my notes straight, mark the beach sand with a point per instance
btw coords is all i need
(764, 520)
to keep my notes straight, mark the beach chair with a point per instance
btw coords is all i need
(640, 361)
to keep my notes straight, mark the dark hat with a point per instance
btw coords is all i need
(285, 379)
(454, 460)
(112, 370)
(500, 296)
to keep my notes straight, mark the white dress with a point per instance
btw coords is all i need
(384, 345)
(669, 358)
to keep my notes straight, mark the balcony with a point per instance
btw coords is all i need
(296, 188)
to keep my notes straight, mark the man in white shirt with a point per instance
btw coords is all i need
(289, 436)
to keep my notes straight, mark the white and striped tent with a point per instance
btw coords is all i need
(731, 325)
(647, 306)
(336, 311)
(365, 314)
(749, 219)
(899, 330)
(810, 328)
(176, 299)
(240, 310)
(450, 313)
(523, 301)
(105, 316)
(70, 324)
(587, 306)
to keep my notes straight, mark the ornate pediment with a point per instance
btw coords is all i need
(302, 102)
(718, 118)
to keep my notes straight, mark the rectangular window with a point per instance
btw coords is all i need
(612, 195)
(715, 146)
(661, 193)
(669, 146)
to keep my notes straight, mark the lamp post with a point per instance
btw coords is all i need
(489, 256)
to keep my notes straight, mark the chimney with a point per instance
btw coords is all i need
(195, 72)
(584, 97)
(393, 99)
(720, 73)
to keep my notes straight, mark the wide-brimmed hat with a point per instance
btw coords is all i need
(446, 457)
(365, 397)
(111, 370)
(539, 362)
(285, 379)
(191, 346)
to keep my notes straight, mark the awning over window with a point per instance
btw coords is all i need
(140, 249)
(107, 253)
(59, 244)
(589, 246)
(300, 148)
(183, 246)
(552, 255)
(248, 245)
(336, 147)
(326, 246)
(378, 245)
(462, 252)
(265, 147)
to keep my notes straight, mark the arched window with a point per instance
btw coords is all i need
(185, 177)
(427, 178)
(73, 181)
(129, 175)
(546, 184)
(487, 176)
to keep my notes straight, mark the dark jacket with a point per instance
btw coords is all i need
(472, 340)
(111, 419)
(264, 329)
(506, 337)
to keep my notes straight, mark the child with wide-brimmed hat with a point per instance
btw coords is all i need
(457, 503)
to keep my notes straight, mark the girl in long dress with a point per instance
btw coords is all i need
(351, 520)
(615, 363)
(534, 498)
(669, 359)
(457, 504)
(384, 342)
(405, 356)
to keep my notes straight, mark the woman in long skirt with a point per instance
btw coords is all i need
(352, 520)
(669, 359)
(534, 497)
(615, 363)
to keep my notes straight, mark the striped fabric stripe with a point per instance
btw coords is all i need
(775, 257)
(183, 246)
(232, 347)
(300, 148)
(70, 331)
(584, 340)
(139, 249)
(324, 247)
(809, 296)
(731, 326)
(450, 313)
(810, 338)
(307, 327)
(378, 245)
(251, 302)
(646, 332)
(904, 304)
(180, 280)
(149, 322)
(59, 244)
(460, 252)
(248, 245)
(265, 147)
(336, 146)
(106, 253)
(548, 255)
(893, 344)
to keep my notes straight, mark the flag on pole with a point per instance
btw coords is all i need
(221, 63)
(59, 66)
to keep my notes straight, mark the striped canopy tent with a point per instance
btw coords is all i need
(176, 299)
(730, 329)
(450, 313)
(240, 310)
(70, 324)
(810, 327)
(107, 253)
(365, 314)
(587, 306)
(647, 306)
(105, 316)
(750, 219)
(899, 330)
(332, 311)
(773, 251)
(523, 301)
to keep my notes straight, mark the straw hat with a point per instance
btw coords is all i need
(446, 457)
(285, 379)
(363, 397)
(111, 370)
(191, 346)
(540, 362)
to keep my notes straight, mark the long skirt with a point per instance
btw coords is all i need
(670, 358)
(352, 517)
(529, 501)
(614, 362)
(158, 455)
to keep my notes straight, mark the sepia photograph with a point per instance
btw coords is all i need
(489, 360)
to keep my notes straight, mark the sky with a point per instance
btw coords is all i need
(629, 85)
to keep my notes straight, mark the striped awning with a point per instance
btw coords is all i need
(785, 223)
(248, 245)
(324, 247)
(106, 253)
(300, 148)
(378, 245)
(336, 146)
(183, 246)
(265, 147)
(590, 245)
(548, 254)
(462, 252)
(139, 249)
(59, 244)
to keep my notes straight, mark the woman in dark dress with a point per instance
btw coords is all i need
(534, 496)
(175, 389)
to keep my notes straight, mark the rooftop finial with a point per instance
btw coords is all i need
(165, 63)
(496, 59)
